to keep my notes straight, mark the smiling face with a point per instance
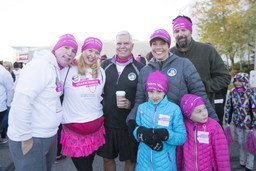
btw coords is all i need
(156, 96)
(90, 56)
(124, 46)
(65, 55)
(159, 49)
(199, 114)
(183, 38)
(237, 83)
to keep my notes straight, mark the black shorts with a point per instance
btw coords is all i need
(118, 142)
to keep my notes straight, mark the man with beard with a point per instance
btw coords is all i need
(206, 59)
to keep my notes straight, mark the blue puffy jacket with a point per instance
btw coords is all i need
(151, 115)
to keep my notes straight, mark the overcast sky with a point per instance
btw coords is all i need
(41, 22)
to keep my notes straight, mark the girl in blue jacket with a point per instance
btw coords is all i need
(160, 127)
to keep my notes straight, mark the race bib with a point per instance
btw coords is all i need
(203, 137)
(163, 120)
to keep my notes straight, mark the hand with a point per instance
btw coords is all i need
(154, 144)
(124, 103)
(144, 134)
(26, 145)
(161, 134)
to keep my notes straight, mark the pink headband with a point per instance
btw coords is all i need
(92, 42)
(182, 22)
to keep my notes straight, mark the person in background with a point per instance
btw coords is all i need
(6, 96)
(36, 109)
(8, 66)
(83, 130)
(103, 58)
(17, 69)
(149, 56)
(241, 107)
(122, 73)
(182, 75)
(206, 59)
(141, 59)
(206, 147)
(160, 127)
(219, 102)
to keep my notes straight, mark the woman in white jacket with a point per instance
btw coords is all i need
(36, 110)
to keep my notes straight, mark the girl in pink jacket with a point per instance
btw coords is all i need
(206, 147)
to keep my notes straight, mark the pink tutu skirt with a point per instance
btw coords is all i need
(76, 145)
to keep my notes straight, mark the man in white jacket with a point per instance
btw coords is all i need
(36, 110)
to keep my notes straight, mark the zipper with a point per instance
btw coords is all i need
(168, 155)
(151, 151)
(195, 148)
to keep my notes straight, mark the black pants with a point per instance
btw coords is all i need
(4, 128)
(59, 146)
(84, 163)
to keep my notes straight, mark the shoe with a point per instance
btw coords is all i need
(246, 169)
(3, 140)
(243, 166)
(59, 159)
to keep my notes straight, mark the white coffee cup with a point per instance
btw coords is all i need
(120, 95)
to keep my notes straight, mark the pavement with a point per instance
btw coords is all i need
(67, 165)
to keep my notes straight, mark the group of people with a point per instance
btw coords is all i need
(161, 123)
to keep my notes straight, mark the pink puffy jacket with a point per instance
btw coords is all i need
(205, 149)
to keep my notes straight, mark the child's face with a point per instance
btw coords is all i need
(155, 96)
(199, 114)
(237, 83)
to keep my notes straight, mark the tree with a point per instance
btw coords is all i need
(224, 24)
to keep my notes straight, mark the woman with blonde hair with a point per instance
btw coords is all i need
(9, 67)
(83, 130)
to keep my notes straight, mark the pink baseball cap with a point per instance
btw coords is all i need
(182, 22)
(92, 42)
(189, 102)
(157, 81)
(161, 34)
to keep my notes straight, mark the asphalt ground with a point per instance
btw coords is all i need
(67, 164)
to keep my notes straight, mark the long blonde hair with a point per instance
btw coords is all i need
(81, 65)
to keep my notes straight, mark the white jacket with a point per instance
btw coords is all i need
(6, 88)
(36, 109)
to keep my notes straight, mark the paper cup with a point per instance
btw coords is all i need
(119, 95)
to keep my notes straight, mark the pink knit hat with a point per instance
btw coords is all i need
(189, 102)
(66, 40)
(182, 22)
(92, 42)
(157, 81)
(161, 34)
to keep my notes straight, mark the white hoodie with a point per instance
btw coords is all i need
(36, 109)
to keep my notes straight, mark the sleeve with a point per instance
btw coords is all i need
(22, 108)
(196, 86)
(177, 130)
(179, 157)
(220, 77)
(228, 109)
(253, 108)
(220, 149)
(34, 79)
(9, 86)
(138, 121)
(140, 97)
